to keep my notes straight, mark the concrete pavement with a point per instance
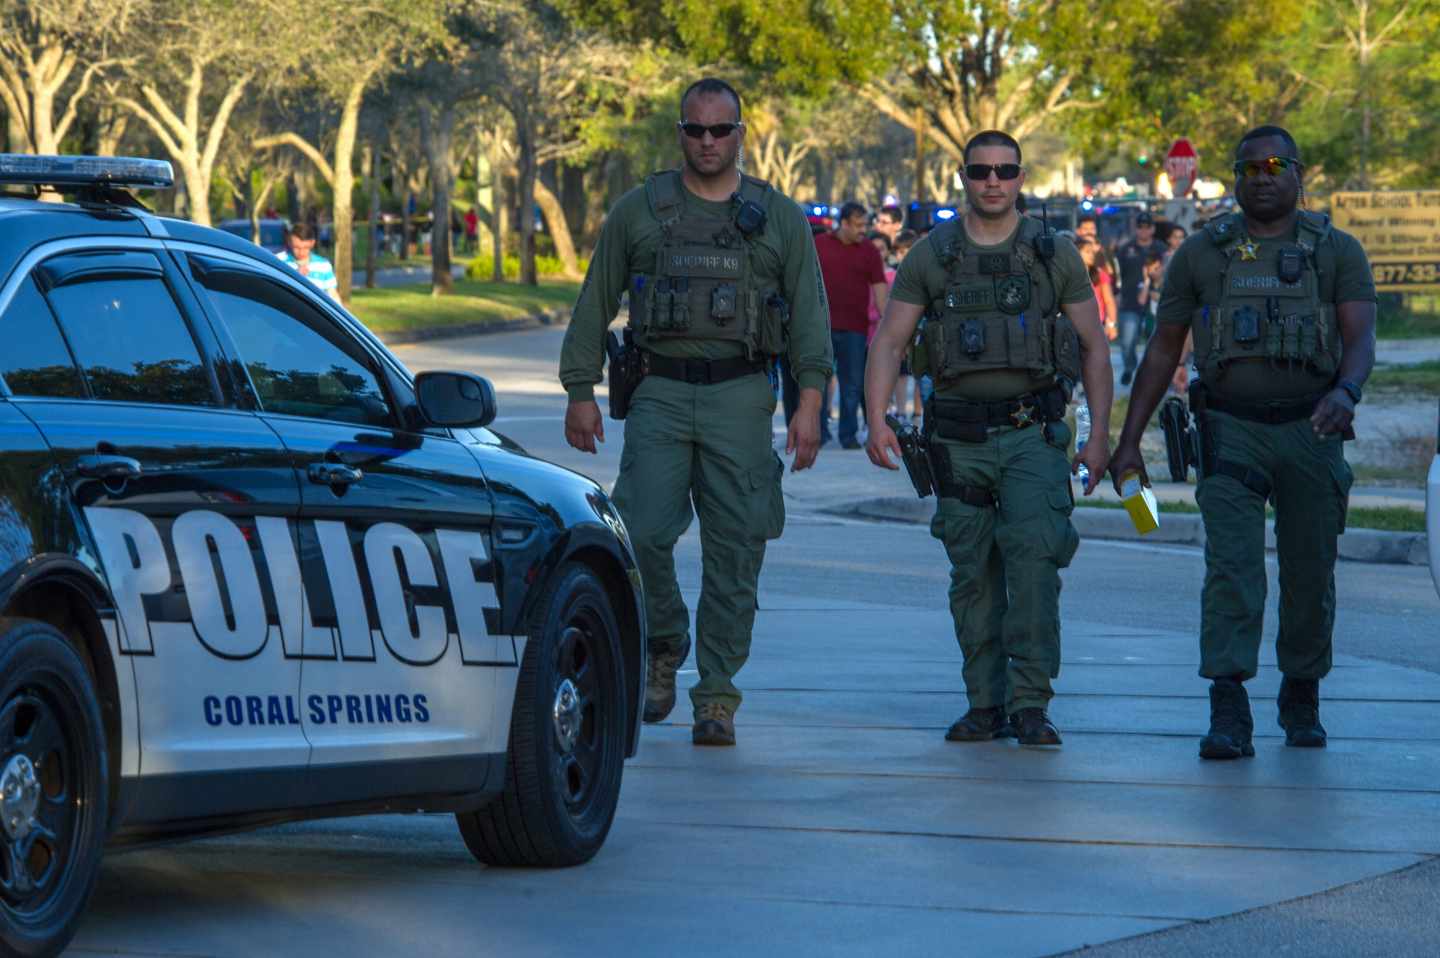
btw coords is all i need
(843, 823)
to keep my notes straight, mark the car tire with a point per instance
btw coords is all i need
(54, 824)
(567, 735)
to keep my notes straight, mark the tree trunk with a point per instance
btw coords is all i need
(559, 228)
(372, 228)
(497, 171)
(572, 198)
(292, 198)
(436, 131)
(484, 196)
(525, 139)
(197, 190)
(344, 185)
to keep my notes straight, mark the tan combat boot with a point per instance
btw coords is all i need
(660, 682)
(714, 725)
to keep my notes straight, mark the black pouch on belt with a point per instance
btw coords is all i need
(957, 419)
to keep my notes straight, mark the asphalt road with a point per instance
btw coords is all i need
(843, 824)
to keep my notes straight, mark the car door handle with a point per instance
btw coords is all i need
(108, 467)
(333, 474)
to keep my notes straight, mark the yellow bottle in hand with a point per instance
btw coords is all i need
(1140, 502)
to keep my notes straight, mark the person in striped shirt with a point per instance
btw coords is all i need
(300, 255)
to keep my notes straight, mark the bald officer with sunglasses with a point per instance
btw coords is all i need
(1011, 326)
(722, 278)
(1282, 307)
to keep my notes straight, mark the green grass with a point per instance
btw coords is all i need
(412, 307)
(1166, 506)
(1388, 518)
(1420, 377)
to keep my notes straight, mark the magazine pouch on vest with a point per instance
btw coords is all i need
(1270, 307)
(704, 285)
(998, 311)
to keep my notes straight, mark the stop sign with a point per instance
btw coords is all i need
(1182, 165)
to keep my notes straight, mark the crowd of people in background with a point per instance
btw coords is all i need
(859, 254)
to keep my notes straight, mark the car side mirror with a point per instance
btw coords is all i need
(455, 399)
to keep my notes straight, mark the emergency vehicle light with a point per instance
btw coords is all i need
(81, 171)
(945, 213)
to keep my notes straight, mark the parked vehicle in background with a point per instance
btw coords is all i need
(272, 232)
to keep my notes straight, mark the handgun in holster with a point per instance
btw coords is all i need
(625, 371)
(915, 454)
(1182, 437)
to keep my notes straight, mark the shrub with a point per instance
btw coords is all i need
(481, 267)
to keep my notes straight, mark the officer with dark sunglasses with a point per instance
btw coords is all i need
(1282, 307)
(1011, 327)
(722, 278)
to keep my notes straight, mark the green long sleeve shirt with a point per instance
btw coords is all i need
(783, 258)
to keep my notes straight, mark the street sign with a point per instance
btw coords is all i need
(1182, 165)
(1400, 231)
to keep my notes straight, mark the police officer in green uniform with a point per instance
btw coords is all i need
(1010, 325)
(722, 278)
(1282, 307)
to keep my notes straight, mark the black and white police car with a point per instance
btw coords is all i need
(253, 571)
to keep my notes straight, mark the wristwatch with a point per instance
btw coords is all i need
(1353, 389)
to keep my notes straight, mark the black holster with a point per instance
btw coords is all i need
(1210, 462)
(625, 371)
(1182, 439)
(915, 454)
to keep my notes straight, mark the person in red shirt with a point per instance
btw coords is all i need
(853, 273)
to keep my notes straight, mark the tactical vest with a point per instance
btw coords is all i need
(1270, 305)
(998, 311)
(704, 284)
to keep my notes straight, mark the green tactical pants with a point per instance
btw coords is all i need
(710, 445)
(1310, 483)
(1005, 561)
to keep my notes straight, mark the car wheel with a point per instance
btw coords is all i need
(567, 735)
(54, 788)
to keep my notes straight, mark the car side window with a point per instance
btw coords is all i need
(130, 339)
(299, 362)
(35, 360)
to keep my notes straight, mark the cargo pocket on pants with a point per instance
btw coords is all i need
(1344, 479)
(768, 499)
(1067, 539)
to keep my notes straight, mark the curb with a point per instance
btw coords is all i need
(401, 337)
(1356, 545)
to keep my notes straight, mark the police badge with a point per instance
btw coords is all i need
(1012, 294)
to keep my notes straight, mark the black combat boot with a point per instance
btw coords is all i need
(1299, 703)
(980, 725)
(1033, 727)
(1231, 726)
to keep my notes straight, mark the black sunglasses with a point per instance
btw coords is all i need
(982, 171)
(718, 130)
(1270, 166)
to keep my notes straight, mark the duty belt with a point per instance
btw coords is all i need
(1048, 405)
(1271, 413)
(699, 371)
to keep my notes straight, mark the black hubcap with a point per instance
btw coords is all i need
(577, 736)
(39, 798)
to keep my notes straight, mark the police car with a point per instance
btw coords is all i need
(1432, 511)
(254, 571)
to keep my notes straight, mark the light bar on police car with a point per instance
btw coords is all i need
(79, 171)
